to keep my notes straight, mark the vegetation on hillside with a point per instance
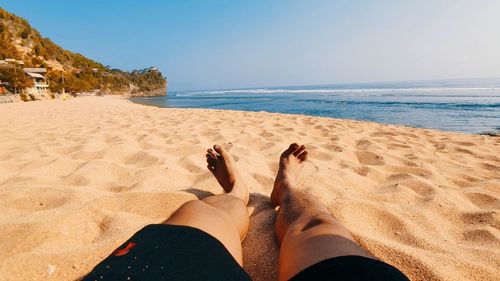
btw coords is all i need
(15, 78)
(74, 72)
(145, 79)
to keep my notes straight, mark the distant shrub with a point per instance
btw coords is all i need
(37, 62)
(25, 33)
(24, 97)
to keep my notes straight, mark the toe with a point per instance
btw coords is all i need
(303, 156)
(212, 153)
(294, 146)
(211, 160)
(299, 151)
(291, 149)
(220, 150)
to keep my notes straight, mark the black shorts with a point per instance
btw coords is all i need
(170, 252)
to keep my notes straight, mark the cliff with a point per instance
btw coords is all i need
(71, 71)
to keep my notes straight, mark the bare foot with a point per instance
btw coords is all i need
(223, 167)
(291, 162)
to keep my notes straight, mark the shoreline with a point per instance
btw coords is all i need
(485, 133)
(470, 112)
(79, 177)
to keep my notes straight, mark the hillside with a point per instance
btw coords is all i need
(74, 72)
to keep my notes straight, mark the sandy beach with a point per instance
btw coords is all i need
(79, 177)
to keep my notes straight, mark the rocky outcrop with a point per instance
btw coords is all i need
(135, 91)
(152, 93)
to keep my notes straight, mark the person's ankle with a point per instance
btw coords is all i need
(286, 187)
(240, 191)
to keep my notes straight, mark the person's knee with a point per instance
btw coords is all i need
(191, 212)
(194, 206)
(209, 219)
(228, 204)
(232, 207)
(224, 201)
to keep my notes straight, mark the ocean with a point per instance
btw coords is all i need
(466, 105)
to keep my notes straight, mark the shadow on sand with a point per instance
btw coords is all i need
(260, 247)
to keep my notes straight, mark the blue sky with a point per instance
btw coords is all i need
(259, 43)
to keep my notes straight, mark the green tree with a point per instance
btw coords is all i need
(15, 78)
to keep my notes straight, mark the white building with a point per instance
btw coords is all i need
(14, 61)
(40, 85)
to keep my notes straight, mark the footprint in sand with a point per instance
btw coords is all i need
(343, 164)
(417, 171)
(398, 177)
(363, 144)
(411, 156)
(141, 159)
(421, 188)
(333, 147)
(334, 137)
(369, 158)
(481, 218)
(362, 171)
(483, 200)
(481, 235)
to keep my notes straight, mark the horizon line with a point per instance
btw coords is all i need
(336, 84)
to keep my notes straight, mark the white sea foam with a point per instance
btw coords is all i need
(341, 91)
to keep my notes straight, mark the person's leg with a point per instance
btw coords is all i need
(200, 241)
(224, 216)
(306, 230)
